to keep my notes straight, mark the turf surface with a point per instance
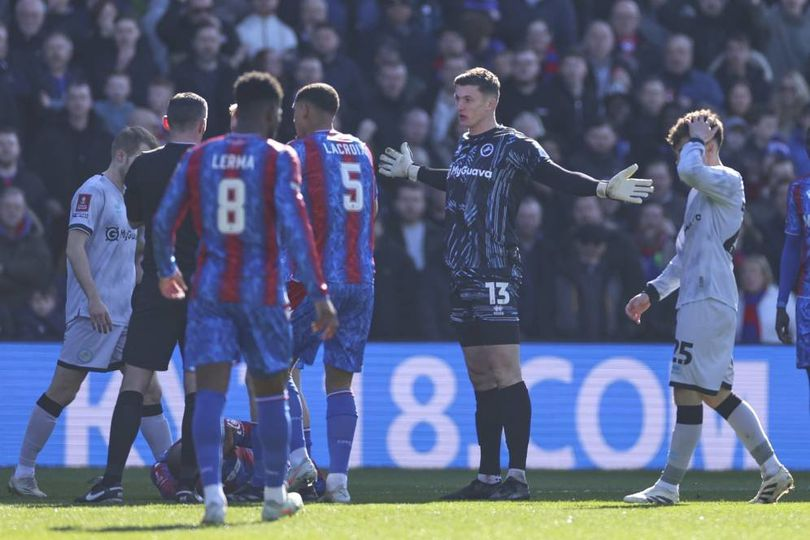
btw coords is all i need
(392, 504)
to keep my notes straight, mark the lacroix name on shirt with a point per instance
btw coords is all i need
(344, 149)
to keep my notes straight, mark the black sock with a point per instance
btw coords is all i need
(156, 409)
(488, 427)
(188, 459)
(516, 415)
(126, 421)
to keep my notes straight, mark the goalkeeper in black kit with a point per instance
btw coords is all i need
(491, 171)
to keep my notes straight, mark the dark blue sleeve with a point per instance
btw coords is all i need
(789, 267)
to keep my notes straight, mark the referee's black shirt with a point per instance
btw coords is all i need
(146, 181)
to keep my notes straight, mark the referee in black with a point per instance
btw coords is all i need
(491, 171)
(157, 324)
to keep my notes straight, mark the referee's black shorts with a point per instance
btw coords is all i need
(157, 325)
(485, 312)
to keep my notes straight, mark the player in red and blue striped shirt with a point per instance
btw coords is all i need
(794, 270)
(243, 191)
(341, 194)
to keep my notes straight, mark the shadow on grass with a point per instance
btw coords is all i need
(6, 501)
(608, 500)
(144, 528)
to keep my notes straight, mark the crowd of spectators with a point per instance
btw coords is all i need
(596, 82)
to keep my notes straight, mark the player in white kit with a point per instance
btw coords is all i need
(100, 278)
(702, 366)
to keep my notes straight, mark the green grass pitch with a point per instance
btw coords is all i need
(393, 504)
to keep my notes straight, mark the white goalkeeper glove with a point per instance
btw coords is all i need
(398, 163)
(624, 188)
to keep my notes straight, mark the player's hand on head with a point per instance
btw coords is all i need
(173, 287)
(783, 326)
(700, 128)
(99, 316)
(623, 187)
(636, 307)
(398, 163)
(326, 321)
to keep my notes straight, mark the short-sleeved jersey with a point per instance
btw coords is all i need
(243, 192)
(340, 192)
(146, 182)
(487, 179)
(797, 223)
(98, 209)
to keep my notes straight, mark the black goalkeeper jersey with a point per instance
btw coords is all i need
(489, 176)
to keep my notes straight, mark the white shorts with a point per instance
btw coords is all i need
(86, 349)
(704, 347)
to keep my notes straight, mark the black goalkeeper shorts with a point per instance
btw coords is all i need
(156, 327)
(485, 312)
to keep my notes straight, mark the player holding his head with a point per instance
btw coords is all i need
(794, 265)
(703, 272)
(100, 279)
(341, 196)
(491, 171)
(157, 325)
(244, 194)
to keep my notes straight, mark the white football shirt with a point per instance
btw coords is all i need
(98, 209)
(702, 267)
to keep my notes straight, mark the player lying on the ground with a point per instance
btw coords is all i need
(237, 463)
(703, 271)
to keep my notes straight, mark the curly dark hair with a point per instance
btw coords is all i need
(679, 133)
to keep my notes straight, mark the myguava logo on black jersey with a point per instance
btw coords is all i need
(464, 170)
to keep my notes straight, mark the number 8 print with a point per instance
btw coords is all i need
(231, 206)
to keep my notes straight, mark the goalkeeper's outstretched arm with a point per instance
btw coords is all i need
(399, 164)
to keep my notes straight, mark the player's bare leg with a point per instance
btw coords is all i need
(62, 390)
(776, 479)
(341, 422)
(274, 432)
